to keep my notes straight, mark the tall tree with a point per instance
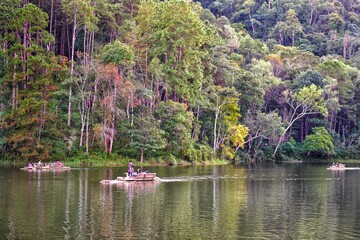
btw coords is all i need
(32, 70)
(308, 100)
(119, 57)
(147, 135)
(176, 122)
(79, 12)
(177, 38)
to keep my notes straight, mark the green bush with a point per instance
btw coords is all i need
(288, 152)
(199, 153)
(319, 144)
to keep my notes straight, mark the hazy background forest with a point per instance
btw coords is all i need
(179, 80)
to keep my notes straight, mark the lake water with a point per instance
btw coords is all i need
(286, 201)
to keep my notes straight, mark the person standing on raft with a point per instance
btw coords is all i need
(130, 168)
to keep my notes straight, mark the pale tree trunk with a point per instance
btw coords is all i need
(105, 135)
(72, 66)
(73, 38)
(217, 112)
(109, 124)
(132, 108)
(311, 16)
(252, 22)
(311, 12)
(69, 108)
(128, 108)
(93, 42)
(113, 119)
(215, 123)
(346, 41)
(112, 126)
(294, 117)
(83, 121)
(84, 45)
(87, 131)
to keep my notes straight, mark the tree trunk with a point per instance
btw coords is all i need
(63, 36)
(92, 43)
(55, 32)
(51, 22)
(87, 131)
(84, 45)
(306, 127)
(113, 119)
(73, 44)
(105, 135)
(252, 22)
(142, 155)
(132, 110)
(13, 96)
(215, 123)
(69, 108)
(72, 66)
(83, 121)
(278, 145)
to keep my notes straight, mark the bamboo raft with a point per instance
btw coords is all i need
(45, 167)
(342, 168)
(140, 177)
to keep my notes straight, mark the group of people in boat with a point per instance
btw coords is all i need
(337, 165)
(41, 164)
(131, 171)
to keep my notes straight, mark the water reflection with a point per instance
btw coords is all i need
(226, 202)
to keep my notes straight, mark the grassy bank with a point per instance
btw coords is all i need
(115, 161)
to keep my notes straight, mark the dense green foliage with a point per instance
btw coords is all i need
(175, 79)
(319, 143)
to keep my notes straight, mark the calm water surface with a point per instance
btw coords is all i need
(287, 201)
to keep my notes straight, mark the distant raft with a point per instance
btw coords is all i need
(45, 166)
(340, 166)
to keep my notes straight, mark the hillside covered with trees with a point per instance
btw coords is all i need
(247, 80)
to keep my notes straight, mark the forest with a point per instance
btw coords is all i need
(179, 80)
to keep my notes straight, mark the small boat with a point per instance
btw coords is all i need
(343, 168)
(140, 177)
